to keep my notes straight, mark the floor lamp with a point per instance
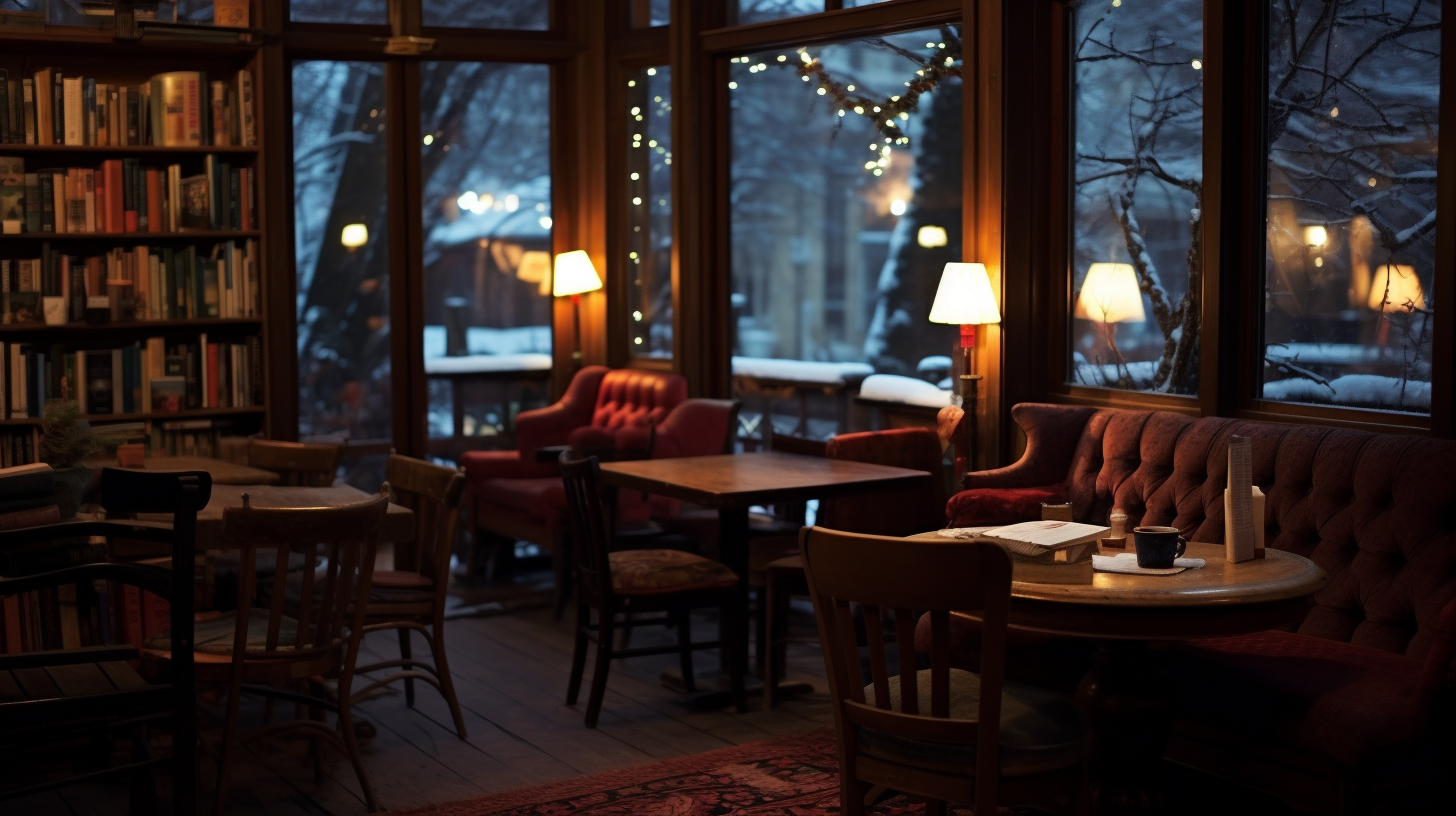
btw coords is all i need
(575, 275)
(1110, 295)
(965, 298)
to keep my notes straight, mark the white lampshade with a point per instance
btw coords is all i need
(1110, 294)
(574, 274)
(1394, 286)
(964, 296)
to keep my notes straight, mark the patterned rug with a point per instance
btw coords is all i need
(790, 776)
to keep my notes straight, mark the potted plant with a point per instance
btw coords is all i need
(66, 441)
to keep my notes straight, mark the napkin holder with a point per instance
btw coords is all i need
(1064, 565)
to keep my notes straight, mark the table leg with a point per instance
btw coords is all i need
(733, 551)
(1125, 698)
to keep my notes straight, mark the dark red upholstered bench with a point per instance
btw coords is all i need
(1352, 710)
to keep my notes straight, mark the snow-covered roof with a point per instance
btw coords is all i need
(486, 363)
(479, 340)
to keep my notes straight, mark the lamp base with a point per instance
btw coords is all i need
(968, 388)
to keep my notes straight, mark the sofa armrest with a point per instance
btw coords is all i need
(1052, 432)
(544, 427)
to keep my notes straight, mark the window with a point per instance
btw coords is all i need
(648, 13)
(1137, 163)
(844, 207)
(530, 14)
(649, 208)
(341, 249)
(486, 192)
(1351, 250)
(757, 11)
(363, 12)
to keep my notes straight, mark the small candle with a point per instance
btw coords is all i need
(1118, 522)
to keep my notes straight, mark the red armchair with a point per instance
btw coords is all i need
(516, 495)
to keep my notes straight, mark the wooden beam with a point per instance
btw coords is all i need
(880, 18)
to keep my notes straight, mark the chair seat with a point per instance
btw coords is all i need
(215, 637)
(1353, 704)
(1040, 731)
(788, 562)
(647, 572)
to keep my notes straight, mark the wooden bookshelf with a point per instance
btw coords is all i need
(241, 356)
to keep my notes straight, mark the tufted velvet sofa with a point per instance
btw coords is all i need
(1348, 711)
(516, 494)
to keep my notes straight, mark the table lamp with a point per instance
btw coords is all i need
(1110, 295)
(573, 275)
(965, 298)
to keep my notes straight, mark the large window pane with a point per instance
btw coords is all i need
(1136, 259)
(649, 208)
(1353, 97)
(533, 14)
(364, 12)
(341, 250)
(487, 225)
(757, 11)
(841, 222)
(647, 13)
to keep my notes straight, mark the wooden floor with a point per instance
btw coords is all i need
(510, 670)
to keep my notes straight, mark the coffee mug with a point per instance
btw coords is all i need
(1158, 546)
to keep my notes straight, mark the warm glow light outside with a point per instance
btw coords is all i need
(931, 237)
(1110, 294)
(965, 296)
(354, 236)
(1394, 287)
(1315, 236)
(574, 274)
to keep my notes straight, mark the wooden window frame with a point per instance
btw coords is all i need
(1235, 159)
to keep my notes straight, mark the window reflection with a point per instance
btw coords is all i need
(1350, 263)
(649, 209)
(1137, 195)
(341, 250)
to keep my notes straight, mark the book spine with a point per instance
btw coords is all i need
(74, 112)
(27, 90)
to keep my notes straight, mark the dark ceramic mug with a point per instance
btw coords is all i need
(1158, 546)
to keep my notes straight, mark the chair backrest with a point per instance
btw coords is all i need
(433, 493)
(894, 580)
(338, 545)
(590, 525)
(916, 506)
(297, 464)
(628, 397)
(696, 427)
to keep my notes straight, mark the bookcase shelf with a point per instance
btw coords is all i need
(125, 150)
(218, 361)
(100, 330)
(139, 237)
(161, 416)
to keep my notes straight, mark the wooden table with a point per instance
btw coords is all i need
(223, 472)
(1127, 694)
(732, 483)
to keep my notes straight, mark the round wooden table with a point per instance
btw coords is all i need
(1128, 695)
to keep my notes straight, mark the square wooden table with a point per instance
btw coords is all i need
(731, 483)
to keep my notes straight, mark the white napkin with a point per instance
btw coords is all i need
(962, 532)
(1127, 562)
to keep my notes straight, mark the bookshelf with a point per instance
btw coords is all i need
(135, 299)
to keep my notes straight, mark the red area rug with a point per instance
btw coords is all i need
(790, 776)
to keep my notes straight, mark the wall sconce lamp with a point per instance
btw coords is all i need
(574, 274)
(964, 298)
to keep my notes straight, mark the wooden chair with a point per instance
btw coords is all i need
(52, 698)
(263, 649)
(411, 597)
(296, 463)
(672, 582)
(944, 734)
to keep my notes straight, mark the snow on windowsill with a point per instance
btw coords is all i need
(799, 371)
(906, 390)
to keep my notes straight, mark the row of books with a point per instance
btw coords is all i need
(209, 437)
(173, 109)
(19, 446)
(137, 283)
(155, 377)
(92, 613)
(122, 196)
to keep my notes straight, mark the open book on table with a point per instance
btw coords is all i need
(1035, 538)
